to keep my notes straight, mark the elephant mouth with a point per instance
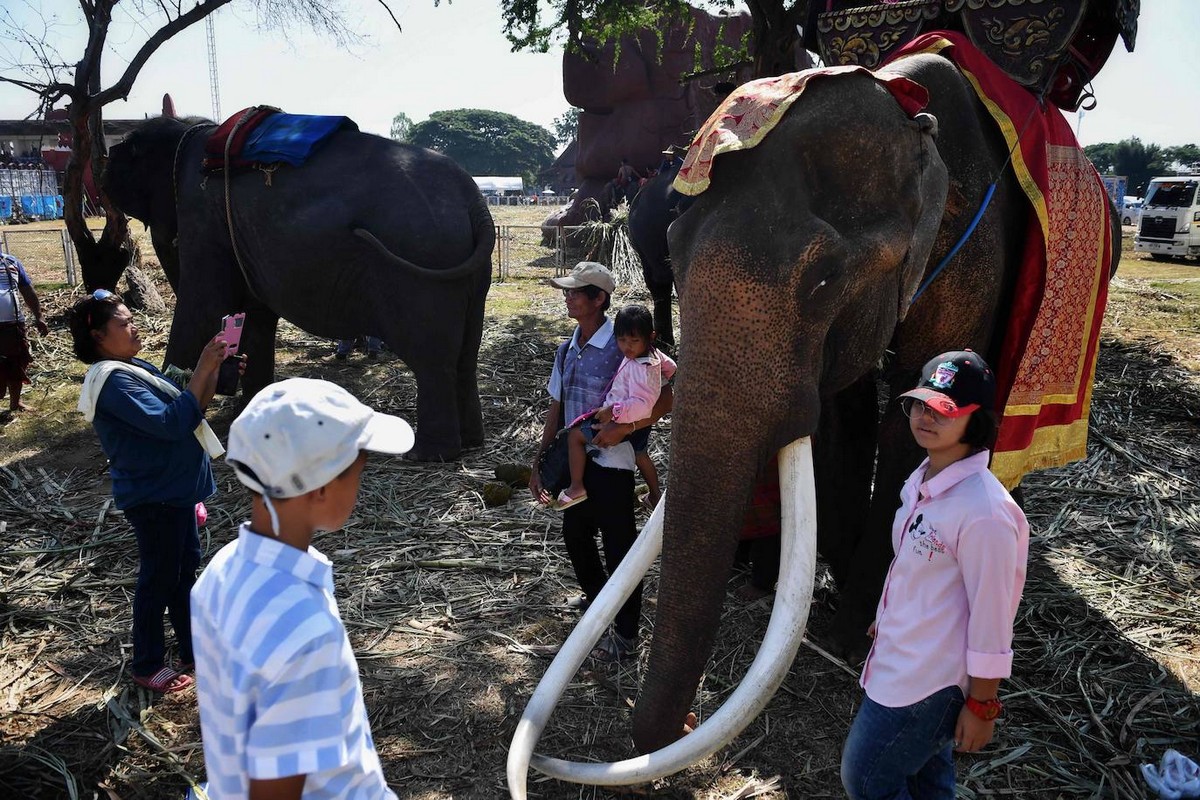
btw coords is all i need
(785, 631)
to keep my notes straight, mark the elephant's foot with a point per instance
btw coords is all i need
(421, 452)
(472, 442)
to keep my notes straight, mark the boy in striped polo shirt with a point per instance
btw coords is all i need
(281, 708)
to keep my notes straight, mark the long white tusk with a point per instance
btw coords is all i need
(798, 564)
(564, 666)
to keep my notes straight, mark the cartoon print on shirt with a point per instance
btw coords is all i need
(924, 538)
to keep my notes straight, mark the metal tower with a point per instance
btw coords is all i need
(214, 86)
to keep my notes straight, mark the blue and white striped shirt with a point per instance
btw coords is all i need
(278, 683)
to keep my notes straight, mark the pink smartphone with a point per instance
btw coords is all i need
(231, 326)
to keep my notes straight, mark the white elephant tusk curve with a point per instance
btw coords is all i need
(789, 617)
(577, 647)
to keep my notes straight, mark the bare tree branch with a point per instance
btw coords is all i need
(388, 9)
(121, 89)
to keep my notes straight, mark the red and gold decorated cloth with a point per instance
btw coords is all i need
(1048, 356)
(753, 110)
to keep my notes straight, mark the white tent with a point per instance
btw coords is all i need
(500, 184)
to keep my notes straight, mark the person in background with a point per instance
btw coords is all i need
(15, 357)
(345, 347)
(584, 368)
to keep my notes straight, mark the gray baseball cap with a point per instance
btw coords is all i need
(587, 273)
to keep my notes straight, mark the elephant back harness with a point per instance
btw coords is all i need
(258, 138)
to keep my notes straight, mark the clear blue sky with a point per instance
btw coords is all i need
(455, 56)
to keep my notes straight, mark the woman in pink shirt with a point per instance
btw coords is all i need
(634, 391)
(943, 629)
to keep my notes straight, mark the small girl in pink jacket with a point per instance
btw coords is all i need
(634, 391)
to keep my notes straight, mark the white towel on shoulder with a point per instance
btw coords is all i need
(98, 374)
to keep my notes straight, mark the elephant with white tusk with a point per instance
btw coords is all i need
(796, 269)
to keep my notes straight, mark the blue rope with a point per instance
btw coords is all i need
(987, 199)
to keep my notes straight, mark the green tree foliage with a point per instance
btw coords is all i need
(566, 126)
(401, 125)
(1139, 162)
(1186, 158)
(487, 142)
(1101, 156)
(577, 24)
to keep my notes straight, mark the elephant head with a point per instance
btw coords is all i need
(789, 290)
(139, 177)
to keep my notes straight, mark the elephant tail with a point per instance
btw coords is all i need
(484, 232)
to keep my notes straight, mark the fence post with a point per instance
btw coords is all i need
(506, 251)
(560, 250)
(3, 241)
(67, 256)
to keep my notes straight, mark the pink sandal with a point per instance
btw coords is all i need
(565, 500)
(166, 681)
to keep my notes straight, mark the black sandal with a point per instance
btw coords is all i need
(614, 648)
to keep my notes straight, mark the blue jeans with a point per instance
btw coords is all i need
(901, 753)
(168, 556)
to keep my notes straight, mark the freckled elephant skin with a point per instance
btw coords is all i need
(794, 271)
(370, 236)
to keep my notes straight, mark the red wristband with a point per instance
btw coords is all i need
(986, 710)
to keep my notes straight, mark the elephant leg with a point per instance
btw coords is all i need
(470, 413)
(437, 430)
(258, 344)
(844, 458)
(898, 457)
(202, 297)
(663, 325)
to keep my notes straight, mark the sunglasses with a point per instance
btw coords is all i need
(916, 409)
(589, 291)
(99, 294)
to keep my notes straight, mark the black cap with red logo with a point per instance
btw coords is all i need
(955, 384)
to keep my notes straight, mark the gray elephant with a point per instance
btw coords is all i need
(652, 211)
(370, 236)
(795, 270)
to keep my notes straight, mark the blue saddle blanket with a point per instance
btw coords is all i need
(290, 138)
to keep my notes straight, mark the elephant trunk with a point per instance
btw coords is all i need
(741, 430)
(691, 591)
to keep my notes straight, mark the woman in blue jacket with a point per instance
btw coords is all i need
(159, 449)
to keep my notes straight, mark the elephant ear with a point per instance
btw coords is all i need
(932, 187)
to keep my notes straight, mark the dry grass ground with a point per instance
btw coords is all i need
(455, 608)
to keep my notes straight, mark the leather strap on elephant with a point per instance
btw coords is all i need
(247, 115)
(178, 152)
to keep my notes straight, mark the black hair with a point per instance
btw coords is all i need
(981, 429)
(635, 320)
(87, 315)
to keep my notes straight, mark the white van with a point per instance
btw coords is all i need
(1131, 210)
(1170, 224)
